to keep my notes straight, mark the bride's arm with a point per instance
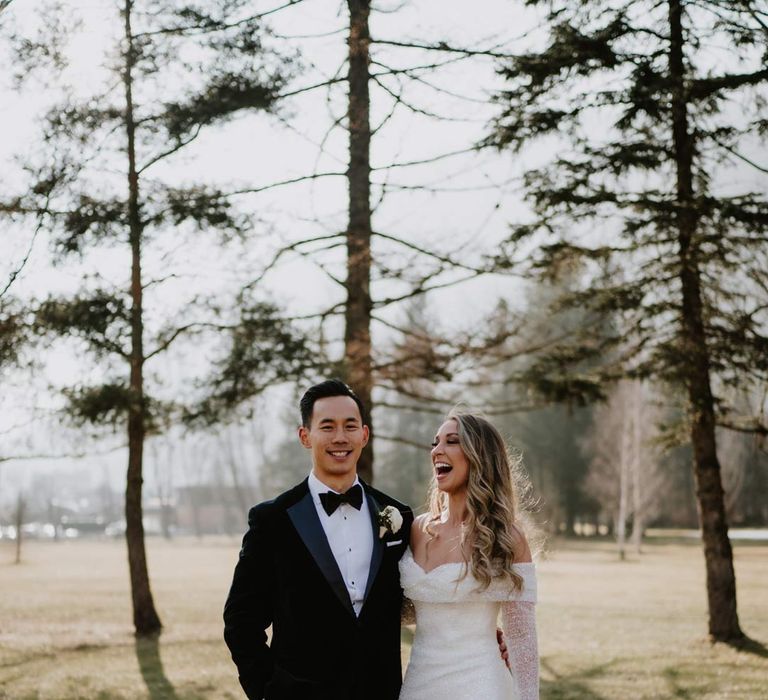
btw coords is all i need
(518, 620)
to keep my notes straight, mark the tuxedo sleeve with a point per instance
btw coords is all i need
(248, 610)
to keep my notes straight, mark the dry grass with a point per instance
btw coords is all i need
(637, 629)
(607, 629)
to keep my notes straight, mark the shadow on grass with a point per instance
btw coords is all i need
(683, 684)
(21, 659)
(573, 686)
(748, 645)
(151, 667)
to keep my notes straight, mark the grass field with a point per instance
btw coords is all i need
(607, 629)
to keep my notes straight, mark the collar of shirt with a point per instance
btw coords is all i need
(316, 487)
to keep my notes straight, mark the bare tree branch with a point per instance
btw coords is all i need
(432, 254)
(164, 154)
(388, 70)
(443, 47)
(419, 290)
(434, 189)
(15, 273)
(287, 249)
(309, 255)
(72, 455)
(321, 35)
(282, 183)
(165, 344)
(399, 99)
(427, 161)
(315, 86)
(741, 157)
(193, 29)
(434, 410)
(752, 426)
(403, 441)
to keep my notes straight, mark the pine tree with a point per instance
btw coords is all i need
(630, 105)
(358, 307)
(176, 69)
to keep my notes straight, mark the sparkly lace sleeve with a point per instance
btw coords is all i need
(518, 620)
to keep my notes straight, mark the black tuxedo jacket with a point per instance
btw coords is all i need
(287, 577)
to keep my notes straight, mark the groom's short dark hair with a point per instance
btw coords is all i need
(323, 390)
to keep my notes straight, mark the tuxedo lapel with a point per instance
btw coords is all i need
(304, 517)
(378, 548)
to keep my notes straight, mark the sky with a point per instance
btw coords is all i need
(471, 201)
(467, 212)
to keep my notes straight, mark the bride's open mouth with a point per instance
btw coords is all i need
(441, 469)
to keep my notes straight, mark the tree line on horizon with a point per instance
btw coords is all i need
(649, 265)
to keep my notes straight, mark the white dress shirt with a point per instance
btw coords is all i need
(350, 535)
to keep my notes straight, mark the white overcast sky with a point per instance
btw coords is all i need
(259, 149)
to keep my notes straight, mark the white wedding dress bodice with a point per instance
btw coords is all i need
(455, 655)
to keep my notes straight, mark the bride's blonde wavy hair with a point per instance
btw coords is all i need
(494, 489)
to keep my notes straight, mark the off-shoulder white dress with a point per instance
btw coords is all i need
(455, 655)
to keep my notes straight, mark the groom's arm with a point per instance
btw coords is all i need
(248, 610)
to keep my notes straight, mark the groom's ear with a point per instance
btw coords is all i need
(304, 437)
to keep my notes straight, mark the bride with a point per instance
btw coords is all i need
(468, 563)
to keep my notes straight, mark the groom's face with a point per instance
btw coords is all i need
(336, 436)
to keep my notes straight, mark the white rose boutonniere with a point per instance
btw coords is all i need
(390, 521)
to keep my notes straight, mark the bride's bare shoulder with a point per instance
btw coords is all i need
(520, 544)
(418, 530)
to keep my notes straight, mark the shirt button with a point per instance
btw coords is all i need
(350, 549)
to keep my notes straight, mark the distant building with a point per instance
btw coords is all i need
(209, 509)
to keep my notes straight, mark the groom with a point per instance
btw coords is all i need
(319, 564)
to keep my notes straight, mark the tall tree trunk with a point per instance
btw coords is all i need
(145, 619)
(19, 526)
(638, 517)
(640, 457)
(621, 519)
(357, 335)
(721, 580)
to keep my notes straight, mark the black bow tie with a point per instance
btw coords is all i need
(331, 500)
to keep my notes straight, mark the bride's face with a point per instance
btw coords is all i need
(448, 459)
